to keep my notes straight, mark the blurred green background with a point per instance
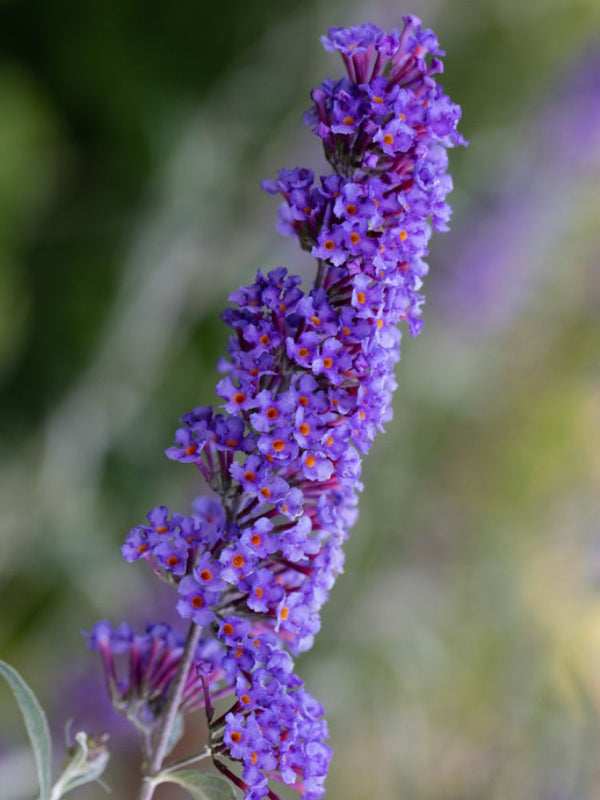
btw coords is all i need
(460, 653)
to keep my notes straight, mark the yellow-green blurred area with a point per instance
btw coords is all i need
(459, 657)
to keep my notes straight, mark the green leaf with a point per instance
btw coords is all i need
(199, 785)
(176, 733)
(36, 724)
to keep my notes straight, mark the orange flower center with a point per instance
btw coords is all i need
(206, 575)
(278, 445)
(197, 601)
(238, 560)
(239, 398)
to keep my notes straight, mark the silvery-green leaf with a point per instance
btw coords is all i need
(85, 763)
(176, 733)
(36, 724)
(199, 785)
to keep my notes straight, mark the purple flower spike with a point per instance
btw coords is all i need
(307, 385)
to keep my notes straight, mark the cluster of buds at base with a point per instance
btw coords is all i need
(307, 385)
(140, 669)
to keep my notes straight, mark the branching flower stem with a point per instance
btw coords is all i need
(188, 762)
(164, 732)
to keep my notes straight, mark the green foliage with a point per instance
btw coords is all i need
(36, 724)
(199, 785)
(176, 733)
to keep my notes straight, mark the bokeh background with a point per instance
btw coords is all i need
(460, 653)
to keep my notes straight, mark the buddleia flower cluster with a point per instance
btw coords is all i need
(307, 384)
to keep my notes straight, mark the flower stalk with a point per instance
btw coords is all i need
(175, 695)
